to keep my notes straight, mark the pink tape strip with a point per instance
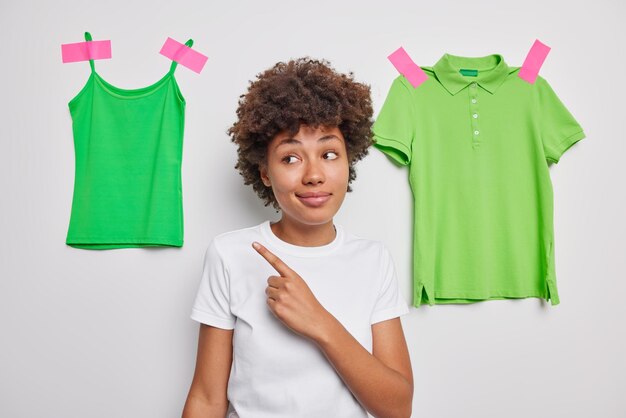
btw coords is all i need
(184, 55)
(405, 65)
(84, 51)
(533, 62)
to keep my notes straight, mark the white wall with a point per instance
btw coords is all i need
(107, 334)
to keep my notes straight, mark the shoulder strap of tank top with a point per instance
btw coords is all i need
(189, 43)
(91, 64)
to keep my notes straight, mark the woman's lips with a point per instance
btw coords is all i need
(313, 199)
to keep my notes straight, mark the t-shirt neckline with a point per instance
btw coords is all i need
(274, 242)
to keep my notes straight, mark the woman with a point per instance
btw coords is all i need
(299, 318)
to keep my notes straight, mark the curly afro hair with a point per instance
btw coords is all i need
(304, 91)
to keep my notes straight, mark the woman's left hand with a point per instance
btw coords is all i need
(291, 300)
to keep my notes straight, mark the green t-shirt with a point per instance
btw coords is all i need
(477, 140)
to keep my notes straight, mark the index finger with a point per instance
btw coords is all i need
(278, 264)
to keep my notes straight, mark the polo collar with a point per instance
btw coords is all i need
(492, 71)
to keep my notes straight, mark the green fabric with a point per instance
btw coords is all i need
(478, 149)
(128, 148)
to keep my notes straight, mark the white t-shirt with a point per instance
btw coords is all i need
(275, 372)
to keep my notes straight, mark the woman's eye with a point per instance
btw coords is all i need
(330, 155)
(290, 159)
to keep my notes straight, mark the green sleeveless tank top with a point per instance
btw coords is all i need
(128, 148)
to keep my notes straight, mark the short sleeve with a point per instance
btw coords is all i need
(389, 303)
(212, 304)
(394, 127)
(557, 127)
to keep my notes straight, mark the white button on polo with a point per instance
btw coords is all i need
(476, 132)
(475, 115)
(474, 100)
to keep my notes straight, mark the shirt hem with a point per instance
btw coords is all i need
(468, 297)
(212, 320)
(565, 145)
(389, 313)
(397, 150)
(112, 243)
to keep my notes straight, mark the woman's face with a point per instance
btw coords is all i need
(308, 173)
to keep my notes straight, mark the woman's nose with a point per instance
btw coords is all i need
(314, 173)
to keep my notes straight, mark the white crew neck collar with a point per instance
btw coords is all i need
(297, 250)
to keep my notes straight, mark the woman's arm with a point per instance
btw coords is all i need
(207, 395)
(382, 381)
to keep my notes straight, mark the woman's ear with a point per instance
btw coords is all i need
(264, 177)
